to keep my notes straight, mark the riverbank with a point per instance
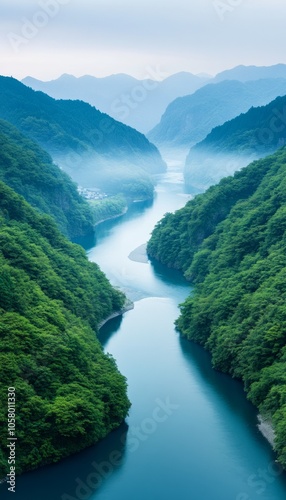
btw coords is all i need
(128, 306)
(266, 428)
(123, 212)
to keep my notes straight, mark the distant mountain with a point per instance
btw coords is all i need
(253, 135)
(137, 103)
(92, 147)
(29, 170)
(247, 73)
(189, 119)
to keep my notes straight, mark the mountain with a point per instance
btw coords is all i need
(69, 394)
(137, 103)
(29, 170)
(189, 119)
(250, 136)
(94, 149)
(231, 243)
(247, 73)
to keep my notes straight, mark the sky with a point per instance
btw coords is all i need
(143, 38)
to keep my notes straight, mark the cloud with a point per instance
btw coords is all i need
(104, 35)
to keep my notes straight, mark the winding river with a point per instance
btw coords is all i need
(191, 433)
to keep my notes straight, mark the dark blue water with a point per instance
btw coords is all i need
(191, 433)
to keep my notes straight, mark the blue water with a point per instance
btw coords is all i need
(191, 433)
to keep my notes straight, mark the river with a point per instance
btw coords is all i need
(191, 434)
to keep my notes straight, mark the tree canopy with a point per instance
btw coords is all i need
(231, 243)
(29, 170)
(69, 394)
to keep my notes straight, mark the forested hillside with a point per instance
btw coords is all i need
(52, 299)
(95, 149)
(137, 103)
(189, 119)
(231, 243)
(252, 135)
(29, 170)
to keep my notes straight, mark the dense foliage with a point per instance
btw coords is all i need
(88, 144)
(29, 170)
(69, 394)
(108, 208)
(231, 242)
(252, 135)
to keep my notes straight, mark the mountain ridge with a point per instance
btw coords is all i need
(188, 120)
(231, 146)
(137, 103)
(92, 147)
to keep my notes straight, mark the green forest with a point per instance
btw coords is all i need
(108, 208)
(227, 148)
(93, 148)
(29, 170)
(52, 299)
(230, 242)
(259, 131)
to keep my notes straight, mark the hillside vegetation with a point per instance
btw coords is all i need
(137, 103)
(231, 243)
(189, 119)
(69, 394)
(252, 135)
(95, 149)
(29, 170)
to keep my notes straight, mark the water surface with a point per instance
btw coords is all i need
(191, 433)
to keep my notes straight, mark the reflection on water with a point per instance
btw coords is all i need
(109, 330)
(76, 477)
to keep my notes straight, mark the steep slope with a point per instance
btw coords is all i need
(189, 119)
(69, 393)
(252, 135)
(29, 170)
(231, 242)
(137, 103)
(92, 147)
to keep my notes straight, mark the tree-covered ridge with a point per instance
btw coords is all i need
(177, 237)
(234, 251)
(69, 393)
(261, 129)
(29, 170)
(188, 120)
(81, 139)
(252, 135)
(108, 208)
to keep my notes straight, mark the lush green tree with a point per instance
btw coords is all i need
(69, 393)
(231, 243)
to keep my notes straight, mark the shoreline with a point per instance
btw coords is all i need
(128, 306)
(112, 217)
(128, 205)
(139, 254)
(266, 428)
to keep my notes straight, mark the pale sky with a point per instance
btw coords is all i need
(46, 38)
